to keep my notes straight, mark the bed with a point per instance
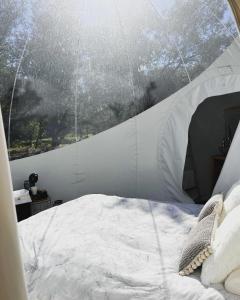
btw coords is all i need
(102, 247)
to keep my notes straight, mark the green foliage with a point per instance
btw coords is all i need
(84, 72)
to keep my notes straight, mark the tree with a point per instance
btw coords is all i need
(25, 101)
(94, 67)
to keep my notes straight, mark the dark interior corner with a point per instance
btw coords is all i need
(209, 137)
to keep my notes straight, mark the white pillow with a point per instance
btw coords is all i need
(232, 283)
(232, 198)
(226, 250)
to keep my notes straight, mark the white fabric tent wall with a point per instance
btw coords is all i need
(142, 157)
(12, 285)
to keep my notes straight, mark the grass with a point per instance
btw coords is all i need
(22, 149)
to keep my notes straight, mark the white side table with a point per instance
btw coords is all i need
(23, 204)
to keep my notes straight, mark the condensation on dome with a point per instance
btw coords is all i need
(71, 69)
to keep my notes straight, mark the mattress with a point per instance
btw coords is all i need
(102, 247)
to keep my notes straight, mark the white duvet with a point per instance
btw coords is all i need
(108, 248)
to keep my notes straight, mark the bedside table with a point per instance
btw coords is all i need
(22, 204)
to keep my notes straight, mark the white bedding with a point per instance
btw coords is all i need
(108, 248)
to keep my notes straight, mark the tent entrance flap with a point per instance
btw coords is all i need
(235, 5)
(12, 286)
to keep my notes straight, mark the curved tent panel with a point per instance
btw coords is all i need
(127, 160)
(221, 78)
(235, 5)
(12, 285)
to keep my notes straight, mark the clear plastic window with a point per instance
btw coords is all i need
(71, 69)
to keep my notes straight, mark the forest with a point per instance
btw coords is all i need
(72, 69)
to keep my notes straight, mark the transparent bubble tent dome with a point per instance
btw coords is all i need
(137, 99)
